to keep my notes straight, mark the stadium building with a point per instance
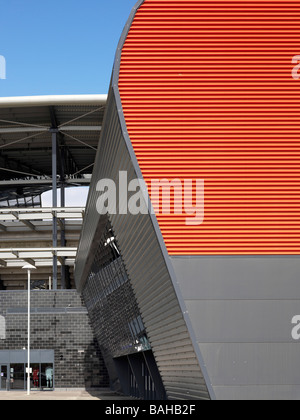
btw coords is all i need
(47, 144)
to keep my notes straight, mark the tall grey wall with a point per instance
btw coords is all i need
(241, 310)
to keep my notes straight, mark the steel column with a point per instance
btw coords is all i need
(28, 333)
(62, 204)
(63, 237)
(54, 202)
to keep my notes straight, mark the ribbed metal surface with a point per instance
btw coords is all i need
(161, 310)
(207, 93)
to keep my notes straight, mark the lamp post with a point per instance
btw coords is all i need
(29, 268)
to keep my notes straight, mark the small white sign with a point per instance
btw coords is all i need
(27, 370)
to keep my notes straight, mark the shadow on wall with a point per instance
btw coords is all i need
(95, 375)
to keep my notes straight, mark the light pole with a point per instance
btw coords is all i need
(28, 267)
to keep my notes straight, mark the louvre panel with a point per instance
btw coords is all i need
(179, 388)
(176, 394)
(152, 268)
(158, 315)
(176, 352)
(159, 309)
(207, 93)
(196, 393)
(91, 222)
(181, 330)
(179, 377)
(185, 386)
(162, 299)
(187, 364)
(180, 349)
(169, 338)
(175, 323)
(149, 289)
(185, 382)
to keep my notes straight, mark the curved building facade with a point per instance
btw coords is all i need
(191, 275)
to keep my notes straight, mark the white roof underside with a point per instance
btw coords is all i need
(48, 100)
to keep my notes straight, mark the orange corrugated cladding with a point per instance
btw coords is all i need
(207, 92)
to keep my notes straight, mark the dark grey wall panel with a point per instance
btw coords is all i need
(252, 363)
(258, 392)
(239, 277)
(241, 310)
(237, 321)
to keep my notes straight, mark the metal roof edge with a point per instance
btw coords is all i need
(46, 100)
(124, 34)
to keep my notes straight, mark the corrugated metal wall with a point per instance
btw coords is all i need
(207, 92)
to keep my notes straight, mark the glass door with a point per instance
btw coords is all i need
(47, 377)
(17, 376)
(35, 377)
(4, 384)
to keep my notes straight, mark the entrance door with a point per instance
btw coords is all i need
(3, 378)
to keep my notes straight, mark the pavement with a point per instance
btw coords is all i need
(75, 395)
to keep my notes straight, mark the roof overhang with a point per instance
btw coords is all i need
(51, 100)
(26, 128)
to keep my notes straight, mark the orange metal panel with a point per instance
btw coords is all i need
(208, 93)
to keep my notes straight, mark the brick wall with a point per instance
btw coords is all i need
(59, 321)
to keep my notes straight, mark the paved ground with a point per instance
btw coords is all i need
(62, 395)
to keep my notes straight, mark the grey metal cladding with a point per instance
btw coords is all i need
(146, 268)
(240, 321)
(258, 392)
(106, 153)
(250, 364)
(147, 262)
(146, 259)
(262, 277)
(241, 309)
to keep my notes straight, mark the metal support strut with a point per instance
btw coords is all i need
(54, 202)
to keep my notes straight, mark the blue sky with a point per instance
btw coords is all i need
(59, 47)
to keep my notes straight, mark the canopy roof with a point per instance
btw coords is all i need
(26, 126)
(27, 233)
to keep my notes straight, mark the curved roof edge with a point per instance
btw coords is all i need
(27, 101)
